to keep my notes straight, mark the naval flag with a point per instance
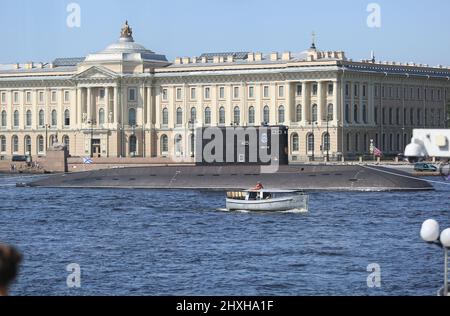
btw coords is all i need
(87, 161)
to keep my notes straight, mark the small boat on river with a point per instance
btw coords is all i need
(267, 201)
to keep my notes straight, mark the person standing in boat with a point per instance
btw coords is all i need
(258, 187)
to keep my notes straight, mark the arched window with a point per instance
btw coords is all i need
(251, 115)
(15, 144)
(295, 143)
(133, 145)
(40, 144)
(67, 117)
(178, 145)
(41, 118)
(364, 113)
(348, 141)
(298, 113)
(222, 115)
(347, 114)
(54, 118)
(53, 140)
(132, 117)
(208, 116)
(356, 143)
(375, 115)
(101, 117)
(314, 113)
(179, 120)
(330, 114)
(4, 119)
(310, 142)
(28, 118)
(281, 114)
(66, 142)
(391, 142)
(165, 116)
(27, 142)
(411, 116)
(397, 116)
(366, 144)
(398, 142)
(391, 120)
(266, 115)
(16, 118)
(237, 115)
(192, 145)
(326, 142)
(419, 114)
(164, 145)
(355, 114)
(193, 115)
(2, 144)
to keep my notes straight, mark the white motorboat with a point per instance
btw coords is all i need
(267, 201)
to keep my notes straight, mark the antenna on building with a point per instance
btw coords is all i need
(313, 45)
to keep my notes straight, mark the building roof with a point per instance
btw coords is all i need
(65, 62)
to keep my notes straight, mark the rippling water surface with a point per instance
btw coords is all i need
(142, 242)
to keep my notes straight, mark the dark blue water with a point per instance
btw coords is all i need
(139, 242)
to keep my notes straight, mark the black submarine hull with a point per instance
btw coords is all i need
(307, 178)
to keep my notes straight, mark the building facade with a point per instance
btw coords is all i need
(128, 101)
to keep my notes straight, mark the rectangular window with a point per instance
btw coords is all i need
(314, 89)
(355, 89)
(251, 92)
(364, 88)
(299, 89)
(236, 92)
(222, 92)
(53, 97)
(330, 89)
(101, 94)
(67, 96)
(28, 97)
(376, 91)
(164, 94)
(193, 94)
(16, 97)
(266, 91)
(179, 94)
(207, 93)
(132, 94)
(3, 97)
(41, 97)
(281, 91)
(347, 90)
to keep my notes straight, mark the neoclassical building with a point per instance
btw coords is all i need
(127, 101)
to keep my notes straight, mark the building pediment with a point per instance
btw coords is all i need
(96, 72)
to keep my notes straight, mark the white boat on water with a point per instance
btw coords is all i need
(267, 201)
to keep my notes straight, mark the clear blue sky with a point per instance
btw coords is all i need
(410, 30)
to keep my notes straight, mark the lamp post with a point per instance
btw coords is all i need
(430, 233)
(46, 126)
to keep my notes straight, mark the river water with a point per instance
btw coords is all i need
(144, 242)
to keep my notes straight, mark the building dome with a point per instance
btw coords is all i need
(126, 49)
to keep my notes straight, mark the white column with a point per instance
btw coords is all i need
(320, 102)
(89, 104)
(289, 104)
(335, 102)
(116, 107)
(306, 100)
(107, 106)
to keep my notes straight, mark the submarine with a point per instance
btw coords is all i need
(221, 178)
